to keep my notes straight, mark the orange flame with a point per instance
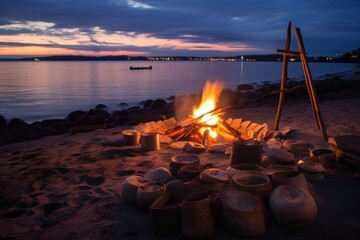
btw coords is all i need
(210, 96)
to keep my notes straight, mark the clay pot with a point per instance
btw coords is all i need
(176, 189)
(293, 177)
(214, 175)
(325, 156)
(243, 152)
(253, 182)
(131, 137)
(216, 207)
(181, 160)
(196, 217)
(159, 174)
(243, 214)
(269, 171)
(150, 141)
(292, 206)
(148, 193)
(190, 171)
(311, 169)
(165, 216)
(130, 186)
(248, 166)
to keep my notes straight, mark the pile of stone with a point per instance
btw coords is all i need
(192, 198)
(17, 130)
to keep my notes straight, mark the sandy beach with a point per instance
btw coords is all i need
(68, 186)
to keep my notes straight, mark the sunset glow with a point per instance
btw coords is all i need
(64, 41)
(175, 28)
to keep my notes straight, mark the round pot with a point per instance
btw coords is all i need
(150, 141)
(181, 160)
(292, 206)
(131, 137)
(196, 217)
(130, 186)
(326, 156)
(243, 214)
(176, 189)
(214, 175)
(269, 171)
(291, 177)
(159, 174)
(248, 166)
(243, 152)
(253, 182)
(148, 193)
(189, 171)
(312, 170)
(165, 216)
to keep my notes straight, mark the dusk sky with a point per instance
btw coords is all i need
(175, 27)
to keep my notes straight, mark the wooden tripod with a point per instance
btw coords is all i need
(308, 80)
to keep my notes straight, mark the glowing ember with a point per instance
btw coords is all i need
(210, 96)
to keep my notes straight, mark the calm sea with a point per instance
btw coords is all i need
(40, 90)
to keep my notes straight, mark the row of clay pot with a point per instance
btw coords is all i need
(193, 210)
(195, 215)
(283, 187)
(185, 204)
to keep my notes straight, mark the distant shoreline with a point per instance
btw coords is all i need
(245, 58)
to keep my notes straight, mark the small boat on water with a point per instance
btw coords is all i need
(140, 68)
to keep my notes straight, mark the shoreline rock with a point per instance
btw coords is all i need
(244, 96)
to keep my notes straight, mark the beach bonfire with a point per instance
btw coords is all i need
(206, 124)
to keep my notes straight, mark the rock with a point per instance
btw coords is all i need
(297, 147)
(103, 113)
(119, 117)
(101, 107)
(218, 148)
(194, 147)
(281, 156)
(171, 98)
(85, 128)
(292, 206)
(98, 119)
(2, 120)
(85, 119)
(133, 109)
(123, 104)
(214, 175)
(148, 103)
(158, 104)
(242, 87)
(74, 116)
(130, 186)
(2, 135)
(16, 122)
(92, 112)
(159, 174)
(176, 189)
(17, 130)
(143, 118)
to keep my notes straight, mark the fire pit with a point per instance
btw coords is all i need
(206, 124)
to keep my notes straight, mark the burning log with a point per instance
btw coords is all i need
(187, 127)
(230, 129)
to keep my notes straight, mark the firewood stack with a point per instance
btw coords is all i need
(229, 130)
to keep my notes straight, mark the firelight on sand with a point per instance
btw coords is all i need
(210, 96)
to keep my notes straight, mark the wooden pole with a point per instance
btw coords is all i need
(283, 78)
(308, 78)
(311, 86)
(308, 86)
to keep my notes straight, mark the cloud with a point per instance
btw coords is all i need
(228, 26)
